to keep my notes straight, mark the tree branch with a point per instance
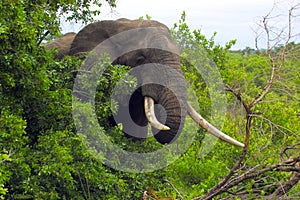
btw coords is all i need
(177, 191)
(277, 61)
(286, 186)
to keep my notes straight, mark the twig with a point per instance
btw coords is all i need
(238, 96)
(277, 61)
(284, 151)
(286, 186)
(43, 37)
(181, 197)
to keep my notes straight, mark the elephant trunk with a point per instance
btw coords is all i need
(167, 88)
(170, 95)
(171, 109)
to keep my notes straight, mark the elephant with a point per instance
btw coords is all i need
(161, 63)
(62, 44)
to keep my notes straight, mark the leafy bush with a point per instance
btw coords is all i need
(43, 155)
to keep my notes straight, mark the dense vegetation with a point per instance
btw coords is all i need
(43, 157)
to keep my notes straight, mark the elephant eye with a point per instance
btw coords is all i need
(140, 60)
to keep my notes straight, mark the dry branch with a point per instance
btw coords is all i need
(292, 165)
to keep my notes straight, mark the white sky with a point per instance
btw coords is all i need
(231, 19)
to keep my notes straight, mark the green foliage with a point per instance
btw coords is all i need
(274, 126)
(201, 59)
(44, 156)
(13, 147)
(114, 84)
(146, 17)
(195, 40)
(194, 174)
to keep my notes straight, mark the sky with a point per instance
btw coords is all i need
(231, 19)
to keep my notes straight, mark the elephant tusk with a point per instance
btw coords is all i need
(149, 111)
(210, 128)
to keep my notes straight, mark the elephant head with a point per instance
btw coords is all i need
(160, 57)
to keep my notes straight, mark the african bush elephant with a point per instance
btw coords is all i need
(168, 120)
(62, 44)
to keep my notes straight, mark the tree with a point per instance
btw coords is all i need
(42, 157)
(33, 101)
(269, 166)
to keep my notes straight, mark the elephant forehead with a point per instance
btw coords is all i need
(93, 34)
(160, 51)
(121, 25)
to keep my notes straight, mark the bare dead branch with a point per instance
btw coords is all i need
(284, 151)
(286, 186)
(274, 38)
(272, 124)
(219, 188)
(239, 97)
(290, 165)
(249, 175)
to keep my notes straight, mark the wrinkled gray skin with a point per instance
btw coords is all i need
(171, 97)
